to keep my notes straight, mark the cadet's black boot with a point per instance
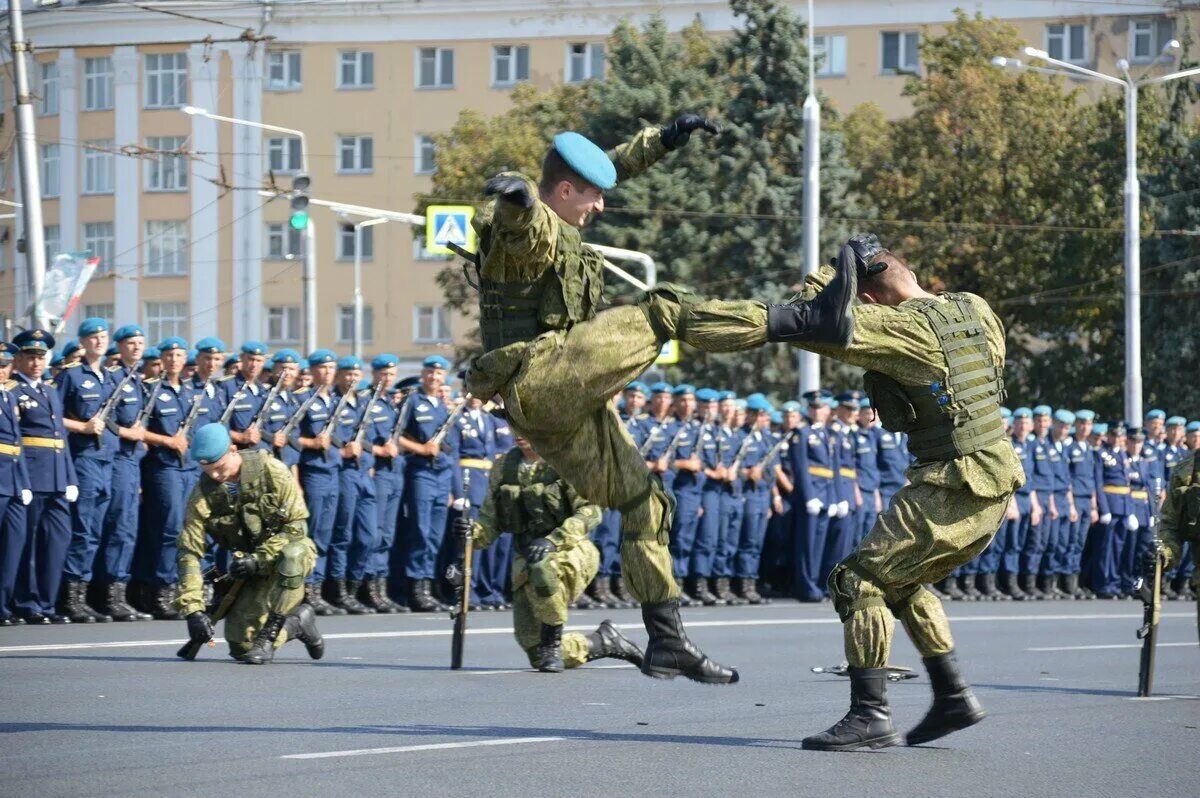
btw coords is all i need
(597, 591)
(116, 606)
(368, 596)
(954, 705)
(346, 591)
(262, 650)
(868, 724)
(826, 318)
(313, 598)
(1067, 586)
(385, 596)
(701, 592)
(73, 605)
(1029, 585)
(725, 594)
(164, 604)
(750, 592)
(669, 652)
(301, 624)
(622, 592)
(967, 585)
(586, 602)
(550, 659)
(1013, 589)
(1048, 584)
(949, 587)
(422, 597)
(684, 599)
(607, 641)
(990, 591)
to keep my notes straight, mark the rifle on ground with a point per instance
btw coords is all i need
(192, 647)
(110, 404)
(459, 575)
(1149, 590)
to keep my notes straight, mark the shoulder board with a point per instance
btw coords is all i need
(302, 392)
(112, 369)
(74, 365)
(10, 384)
(226, 378)
(50, 383)
(365, 393)
(152, 380)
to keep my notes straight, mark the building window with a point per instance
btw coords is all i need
(421, 253)
(98, 167)
(164, 319)
(435, 68)
(585, 61)
(50, 170)
(830, 54)
(98, 239)
(166, 80)
(283, 324)
(47, 88)
(356, 69)
(166, 248)
(356, 154)
(1067, 42)
(52, 234)
(426, 155)
(283, 71)
(345, 324)
(1149, 37)
(510, 64)
(104, 311)
(283, 154)
(283, 242)
(167, 169)
(97, 84)
(901, 52)
(345, 250)
(431, 324)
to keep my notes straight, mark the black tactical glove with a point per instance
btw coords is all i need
(538, 549)
(676, 134)
(511, 189)
(243, 567)
(462, 527)
(200, 627)
(865, 247)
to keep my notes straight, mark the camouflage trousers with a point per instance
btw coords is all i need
(558, 392)
(925, 534)
(262, 595)
(572, 570)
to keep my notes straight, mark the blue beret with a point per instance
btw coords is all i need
(349, 362)
(1022, 412)
(211, 345)
(683, 389)
(232, 360)
(1155, 414)
(660, 387)
(706, 395)
(817, 397)
(758, 402)
(269, 363)
(1085, 415)
(1116, 428)
(191, 357)
(112, 350)
(319, 356)
(436, 362)
(850, 398)
(639, 386)
(385, 361)
(91, 326)
(1136, 432)
(128, 331)
(1193, 426)
(151, 353)
(865, 402)
(776, 417)
(1005, 413)
(1176, 421)
(56, 360)
(792, 407)
(1064, 416)
(174, 342)
(71, 347)
(7, 351)
(210, 443)
(286, 356)
(1100, 428)
(740, 404)
(408, 382)
(254, 348)
(1042, 410)
(728, 395)
(586, 159)
(364, 384)
(756, 395)
(34, 341)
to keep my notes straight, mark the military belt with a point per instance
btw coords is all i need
(10, 448)
(472, 462)
(849, 473)
(1120, 490)
(43, 443)
(1140, 494)
(820, 471)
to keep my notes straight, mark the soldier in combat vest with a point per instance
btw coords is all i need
(1180, 523)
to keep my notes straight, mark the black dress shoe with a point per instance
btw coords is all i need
(12, 620)
(36, 619)
(60, 619)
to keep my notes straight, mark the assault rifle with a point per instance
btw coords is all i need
(459, 575)
(192, 647)
(110, 404)
(260, 418)
(1149, 589)
(402, 416)
(294, 421)
(646, 444)
(331, 424)
(227, 413)
(360, 432)
(186, 426)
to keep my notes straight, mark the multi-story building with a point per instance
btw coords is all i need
(170, 202)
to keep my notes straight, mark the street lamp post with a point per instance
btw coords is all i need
(809, 363)
(309, 278)
(1132, 196)
(358, 297)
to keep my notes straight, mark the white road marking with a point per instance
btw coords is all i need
(499, 672)
(1164, 698)
(507, 630)
(405, 749)
(1105, 647)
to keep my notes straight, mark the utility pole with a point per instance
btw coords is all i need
(810, 364)
(31, 187)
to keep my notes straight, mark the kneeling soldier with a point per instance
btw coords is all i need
(553, 560)
(247, 501)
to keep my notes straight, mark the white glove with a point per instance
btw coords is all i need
(459, 504)
(26, 497)
(814, 506)
(832, 512)
(71, 493)
(1131, 523)
(1106, 518)
(843, 509)
(1152, 522)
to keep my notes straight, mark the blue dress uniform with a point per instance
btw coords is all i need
(1084, 468)
(843, 527)
(686, 485)
(893, 462)
(213, 403)
(814, 462)
(1054, 560)
(389, 485)
(757, 506)
(473, 436)
(427, 482)
(607, 534)
(1143, 479)
(1042, 484)
(319, 474)
(1004, 554)
(733, 503)
(15, 490)
(708, 530)
(354, 487)
(866, 463)
(1115, 510)
(247, 398)
(283, 407)
(53, 484)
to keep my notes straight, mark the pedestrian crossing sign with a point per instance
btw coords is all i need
(449, 224)
(669, 355)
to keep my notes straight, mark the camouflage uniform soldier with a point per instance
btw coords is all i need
(249, 502)
(1181, 517)
(556, 362)
(553, 560)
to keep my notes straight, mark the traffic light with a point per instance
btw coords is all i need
(299, 218)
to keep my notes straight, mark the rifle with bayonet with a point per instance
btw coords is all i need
(192, 647)
(1149, 589)
(110, 404)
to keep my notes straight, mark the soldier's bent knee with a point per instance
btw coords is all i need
(290, 566)
(846, 590)
(673, 294)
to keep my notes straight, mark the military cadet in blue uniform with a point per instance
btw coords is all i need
(1083, 465)
(778, 550)
(732, 501)
(114, 561)
(473, 436)
(51, 477)
(1155, 427)
(712, 485)
(284, 367)
(1024, 510)
(209, 361)
(681, 459)
(866, 463)
(1042, 480)
(428, 479)
(843, 527)
(70, 353)
(15, 490)
(318, 466)
(84, 388)
(246, 392)
(151, 363)
(1116, 514)
(814, 461)
(1058, 529)
(757, 473)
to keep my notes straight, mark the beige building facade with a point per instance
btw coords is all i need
(170, 201)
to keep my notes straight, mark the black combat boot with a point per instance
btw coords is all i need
(670, 653)
(1048, 584)
(622, 592)
(376, 600)
(347, 591)
(701, 592)
(1013, 589)
(1029, 585)
(954, 705)
(164, 604)
(950, 589)
(990, 591)
(301, 624)
(386, 596)
(73, 604)
(868, 724)
(599, 593)
(313, 598)
(422, 599)
(826, 318)
(1067, 585)
(116, 606)
(607, 641)
(684, 599)
(549, 651)
(725, 594)
(262, 650)
(966, 584)
(749, 591)
(586, 602)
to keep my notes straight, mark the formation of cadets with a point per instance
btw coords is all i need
(94, 482)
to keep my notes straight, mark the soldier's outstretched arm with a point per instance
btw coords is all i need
(652, 143)
(192, 547)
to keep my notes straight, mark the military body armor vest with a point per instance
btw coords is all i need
(1189, 504)
(535, 509)
(242, 523)
(961, 416)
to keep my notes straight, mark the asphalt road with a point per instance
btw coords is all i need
(109, 710)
